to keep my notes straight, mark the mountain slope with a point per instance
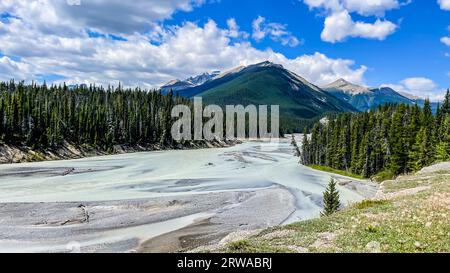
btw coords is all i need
(346, 87)
(270, 84)
(363, 98)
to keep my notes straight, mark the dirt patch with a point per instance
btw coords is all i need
(188, 238)
(278, 234)
(439, 201)
(392, 195)
(445, 166)
(297, 249)
(324, 240)
(377, 216)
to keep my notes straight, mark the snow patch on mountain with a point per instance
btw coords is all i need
(347, 87)
(177, 85)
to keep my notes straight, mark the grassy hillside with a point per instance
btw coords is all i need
(331, 170)
(410, 214)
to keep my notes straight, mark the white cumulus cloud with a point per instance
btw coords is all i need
(110, 16)
(339, 24)
(234, 29)
(419, 84)
(371, 7)
(276, 31)
(9, 67)
(446, 40)
(420, 87)
(44, 42)
(362, 7)
(444, 4)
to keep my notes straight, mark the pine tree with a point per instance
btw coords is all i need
(297, 149)
(445, 109)
(331, 200)
(414, 127)
(398, 158)
(305, 155)
(415, 154)
(427, 145)
(443, 146)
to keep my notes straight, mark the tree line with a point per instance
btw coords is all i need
(42, 116)
(392, 139)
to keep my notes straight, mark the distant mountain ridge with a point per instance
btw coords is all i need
(178, 85)
(346, 87)
(364, 98)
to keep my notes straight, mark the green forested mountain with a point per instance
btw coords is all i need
(394, 139)
(42, 116)
(270, 84)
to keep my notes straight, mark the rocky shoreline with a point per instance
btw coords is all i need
(10, 154)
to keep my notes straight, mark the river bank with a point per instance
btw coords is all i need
(19, 154)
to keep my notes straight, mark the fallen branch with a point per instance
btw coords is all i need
(86, 213)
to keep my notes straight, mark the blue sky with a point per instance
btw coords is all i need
(399, 43)
(414, 50)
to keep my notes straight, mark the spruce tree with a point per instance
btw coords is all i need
(443, 146)
(305, 155)
(445, 109)
(331, 202)
(427, 147)
(297, 149)
(415, 153)
(398, 158)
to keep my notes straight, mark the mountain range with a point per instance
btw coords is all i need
(178, 85)
(364, 98)
(301, 102)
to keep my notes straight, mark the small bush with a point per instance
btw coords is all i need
(383, 176)
(238, 245)
(371, 229)
(369, 203)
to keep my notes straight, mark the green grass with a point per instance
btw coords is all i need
(414, 223)
(331, 170)
(369, 203)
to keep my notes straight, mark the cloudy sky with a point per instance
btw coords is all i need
(399, 43)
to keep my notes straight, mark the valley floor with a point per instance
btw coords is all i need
(409, 214)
